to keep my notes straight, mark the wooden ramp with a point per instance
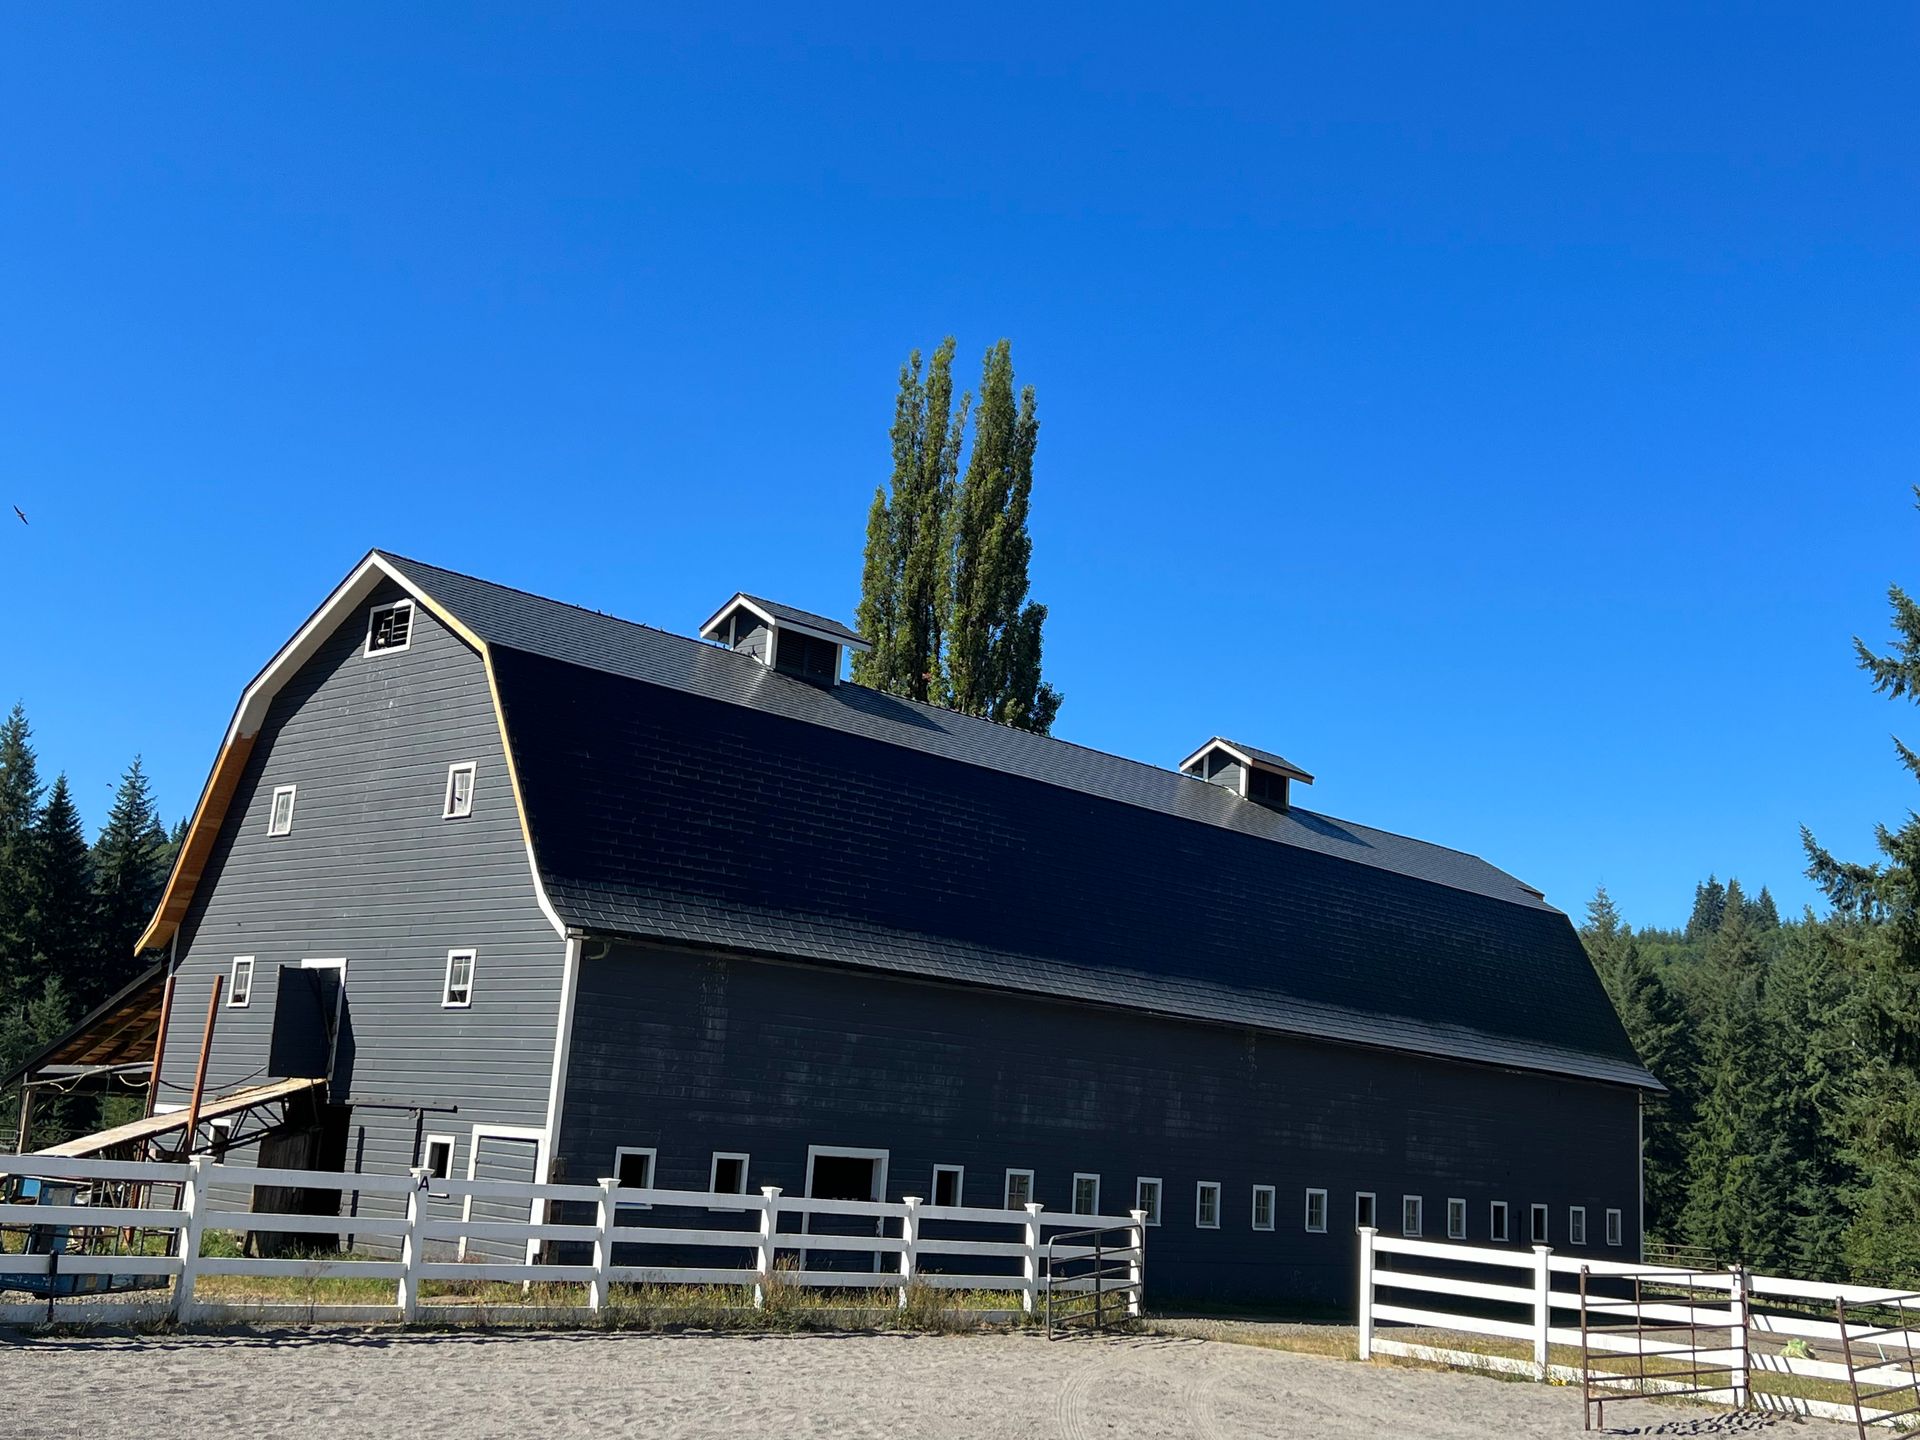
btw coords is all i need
(165, 1124)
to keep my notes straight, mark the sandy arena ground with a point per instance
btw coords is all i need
(370, 1385)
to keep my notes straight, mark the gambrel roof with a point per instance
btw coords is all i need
(677, 791)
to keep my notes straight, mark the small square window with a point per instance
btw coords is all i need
(1456, 1219)
(1317, 1211)
(1263, 1207)
(947, 1184)
(1410, 1206)
(1086, 1194)
(1613, 1227)
(1497, 1222)
(459, 991)
(1206, 1205)
(1539, 1225)
(436, 1156)
(459, 801)
(390, 628)
(1576, 1224)
(1146, 1197)
(240, 986)
(1019, 1189)
(633, 1170)
(1363, 1209)
(280, 818)
(729, 1174)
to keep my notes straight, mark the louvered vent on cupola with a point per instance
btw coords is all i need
(794, 642)
(1257, 775)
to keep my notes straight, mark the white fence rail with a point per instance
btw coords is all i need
(762, 1256)
(1511, 1295)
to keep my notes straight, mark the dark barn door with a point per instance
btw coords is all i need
(844, 1177)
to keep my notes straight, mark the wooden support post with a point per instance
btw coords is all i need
(1542, 1306)
(1365, 1291)
(599, 1290)
(160, 1044)
(26, 1116)
(1030, 1260)
(909, 1238)
(769, 1227)
(1137, 1268)
(200, 1071)
(408, 1297)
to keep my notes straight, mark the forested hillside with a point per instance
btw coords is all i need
(70, 912)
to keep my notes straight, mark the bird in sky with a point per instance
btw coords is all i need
(21, 513)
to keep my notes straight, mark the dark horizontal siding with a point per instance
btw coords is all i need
(695, 1053)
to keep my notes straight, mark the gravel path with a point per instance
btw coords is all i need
(373, 1384)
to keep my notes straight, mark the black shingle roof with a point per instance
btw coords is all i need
(679, 791)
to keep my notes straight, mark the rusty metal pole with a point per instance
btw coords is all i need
(200, 1071)
(160, 1045)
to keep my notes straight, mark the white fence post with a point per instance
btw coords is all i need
(1367, 1232)
(1542, 1305)
(769, 1225)
(193, 1202)
(1030, 1262)
(1737, 1334)
(1137, 1268)
(909, 1237)
(598, 1288)
(408, 1296)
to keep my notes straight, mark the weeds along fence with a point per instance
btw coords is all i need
(155, 1233)
(1627, 1331)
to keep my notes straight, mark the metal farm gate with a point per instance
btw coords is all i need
(1092, 1278)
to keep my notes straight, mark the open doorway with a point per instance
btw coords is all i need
(837, 1172)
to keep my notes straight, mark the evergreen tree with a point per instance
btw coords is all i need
(995, 636)
(1883, 1122)
(64, 931)
(1709, 905)
(129, 871)
(1656, 1023)
(1762, 913)
(26, 1024)
(20, 791)
(906, 585)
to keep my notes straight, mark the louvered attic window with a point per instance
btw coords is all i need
(390, 627)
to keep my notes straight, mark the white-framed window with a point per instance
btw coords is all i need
(1538, 1228)
(1019, 1189)
(220, 1135)
(949, 1183)
(240, 983)
(1364, 1209)
(728, 1173)
(1410, 1207)
(459, 801)
(1206, 1205)
(1263, 1207)
(1146, 1196)
(280, 817)
(1086, 1194)
(436, 1156)
(1576, 1224)
(459, 988)
(1456, 1219)
(1613, 1227)
(1497, 1222)
(1317, 1211)
(390, 628)
(633, 1169)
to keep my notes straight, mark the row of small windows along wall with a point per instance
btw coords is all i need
(633, 1167)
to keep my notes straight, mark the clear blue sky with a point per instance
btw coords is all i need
(1508, 416)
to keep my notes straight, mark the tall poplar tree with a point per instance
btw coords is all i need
(944, 585)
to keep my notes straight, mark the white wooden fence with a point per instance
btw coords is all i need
(1772, 1309)
(619, 1219)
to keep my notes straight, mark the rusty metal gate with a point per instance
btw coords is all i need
(1646, 1336)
